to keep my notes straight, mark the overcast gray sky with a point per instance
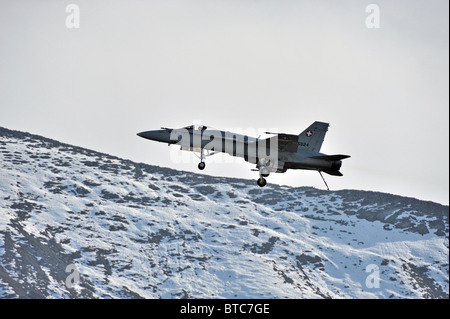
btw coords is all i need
(239, 65)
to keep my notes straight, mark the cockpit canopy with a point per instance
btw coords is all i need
(196, 127)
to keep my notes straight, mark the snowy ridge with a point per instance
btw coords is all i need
(133, 230)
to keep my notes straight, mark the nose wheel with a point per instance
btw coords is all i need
(201, 166)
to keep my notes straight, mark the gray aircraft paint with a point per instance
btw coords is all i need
(275, 154)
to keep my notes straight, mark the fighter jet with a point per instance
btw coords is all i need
(274, 154)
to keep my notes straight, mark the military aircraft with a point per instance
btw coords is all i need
(274, 154)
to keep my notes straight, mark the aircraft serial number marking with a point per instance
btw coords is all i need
(303, 144)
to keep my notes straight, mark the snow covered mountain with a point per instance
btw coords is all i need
(75, 223)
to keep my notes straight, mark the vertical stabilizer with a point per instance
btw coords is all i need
(312, 138)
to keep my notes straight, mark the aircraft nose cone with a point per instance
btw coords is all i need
(142, 134)
(151, 135)
(157, 135)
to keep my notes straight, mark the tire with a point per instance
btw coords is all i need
(261, 182)
(201, 166)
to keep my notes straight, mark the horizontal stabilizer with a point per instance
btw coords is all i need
(331, 158)
(334, 173)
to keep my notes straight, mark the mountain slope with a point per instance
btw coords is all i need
(75, 223)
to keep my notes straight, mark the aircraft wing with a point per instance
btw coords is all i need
(286, 142)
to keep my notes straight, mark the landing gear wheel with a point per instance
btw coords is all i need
(201, 166)
(261, 182)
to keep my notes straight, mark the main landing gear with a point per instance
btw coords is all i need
(264, 171)
(201, 166)
(261, 182)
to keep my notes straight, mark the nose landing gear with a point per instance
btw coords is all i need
(201, 166)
